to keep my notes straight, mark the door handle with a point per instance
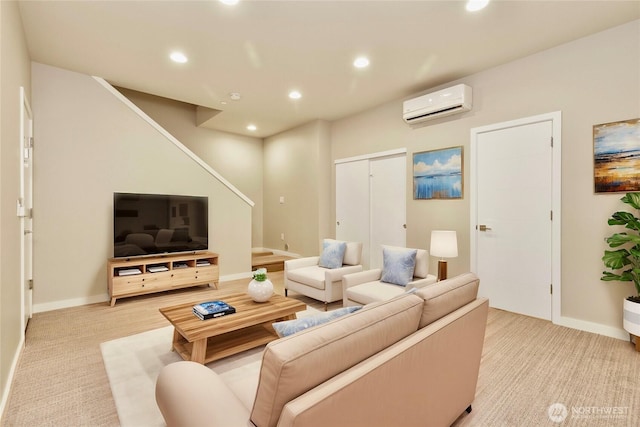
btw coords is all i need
(483, 227)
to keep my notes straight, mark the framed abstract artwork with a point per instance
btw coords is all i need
(437, 174)
(616, 156)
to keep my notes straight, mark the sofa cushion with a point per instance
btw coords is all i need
(353, 254)
(311, 276)
(297, 363)
(446, 296)
(332, 253)
(398, 265)
(369, 292)
(290, 327)
(422, 264)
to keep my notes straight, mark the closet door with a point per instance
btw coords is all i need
(371, 204)
(388, 181)
(352, 204)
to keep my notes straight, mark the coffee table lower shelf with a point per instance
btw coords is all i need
(207, 350)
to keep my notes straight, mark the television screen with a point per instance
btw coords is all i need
(151, 224)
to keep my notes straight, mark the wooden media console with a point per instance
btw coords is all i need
(129, 277)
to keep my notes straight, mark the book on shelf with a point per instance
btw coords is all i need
(211, 309)
(129, 271)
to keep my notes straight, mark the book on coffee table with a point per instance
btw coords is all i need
(211, 309)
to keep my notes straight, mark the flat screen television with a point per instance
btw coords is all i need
(154, 224)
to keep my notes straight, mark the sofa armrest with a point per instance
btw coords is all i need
(336, 274)
(292, 264)
(190, 394)
(354, 279)
(421, 283)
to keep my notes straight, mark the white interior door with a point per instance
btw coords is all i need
(352, 203)
(25, 205)
(512, 229)
(388, 181)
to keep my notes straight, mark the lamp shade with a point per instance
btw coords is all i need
(444, 244)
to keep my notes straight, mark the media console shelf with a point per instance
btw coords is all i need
(129, 277)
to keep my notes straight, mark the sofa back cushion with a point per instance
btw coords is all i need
(445, 296)
(295, 364)
(353, 254)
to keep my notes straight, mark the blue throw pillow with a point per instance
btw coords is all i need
(289, 327)
(332, 253)
(398, 265)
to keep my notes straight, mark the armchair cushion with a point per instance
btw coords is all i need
(398, 265)
(289, 327)
(332, 253)
(311, 276)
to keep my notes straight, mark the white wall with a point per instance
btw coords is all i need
(592, 80)
(237, 158)
(90, 145)
(297, 167)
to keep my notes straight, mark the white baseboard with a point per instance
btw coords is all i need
(75, 302)
(592, 327)
(237, 276)
(7, 386)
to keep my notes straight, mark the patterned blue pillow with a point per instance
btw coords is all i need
(289, 327)
(398, 265)
(332, 253)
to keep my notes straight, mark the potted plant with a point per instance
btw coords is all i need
(624, 261)
(260, 288)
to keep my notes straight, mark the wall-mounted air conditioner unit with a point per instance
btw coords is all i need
(456, 99)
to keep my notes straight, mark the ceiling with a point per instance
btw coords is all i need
(264, 49)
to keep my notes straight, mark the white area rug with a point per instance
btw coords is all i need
(134, 362)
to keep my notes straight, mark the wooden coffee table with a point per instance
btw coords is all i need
(204, 341)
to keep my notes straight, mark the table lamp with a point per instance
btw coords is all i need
(444, 244)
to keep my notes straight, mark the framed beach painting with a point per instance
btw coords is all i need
(616, 156)
(437, 174)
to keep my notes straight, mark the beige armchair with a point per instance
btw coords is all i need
(308, 277)
(366, 287)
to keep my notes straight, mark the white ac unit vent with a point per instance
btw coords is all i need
(453, 100)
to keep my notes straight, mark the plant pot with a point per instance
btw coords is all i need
(631, 317)
(260, 291)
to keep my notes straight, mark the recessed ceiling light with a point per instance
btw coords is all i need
(251, 127)
(178, 57)
(235, 96)
(361, 62)
(476, 5)
(229, 2)
(294, 94)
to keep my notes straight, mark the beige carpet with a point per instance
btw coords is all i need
(528, 364)
(133, 364)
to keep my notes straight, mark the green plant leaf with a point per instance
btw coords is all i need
(620, 239)
(628, 256)
(616, 259)
(632, 199)
(625, 218)
(607, 276)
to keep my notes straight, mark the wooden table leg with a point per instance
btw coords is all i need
(176, 339)
(199, 350)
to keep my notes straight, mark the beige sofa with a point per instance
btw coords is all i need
(409, 361)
